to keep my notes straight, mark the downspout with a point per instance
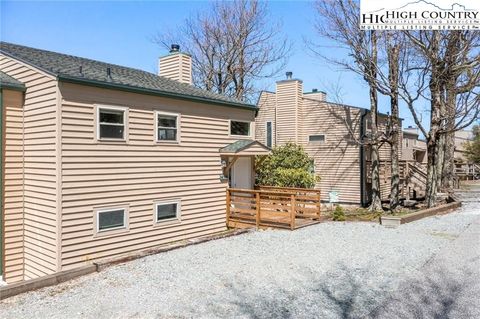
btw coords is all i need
(363, 201)
(2, 245)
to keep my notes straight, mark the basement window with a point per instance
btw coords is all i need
(240, 128)
(316, 138)
(167, 211)
(167, 127)
(110, 219)
(111, 123)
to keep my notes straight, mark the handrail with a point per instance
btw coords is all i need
(307, 190)
(258, 206)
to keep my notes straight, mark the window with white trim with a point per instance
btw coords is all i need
(167, 127)
(110, 219)
(111, 123)
(240, 128)
(167, 211)
(316, 138)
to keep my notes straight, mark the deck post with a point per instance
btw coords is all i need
(292, 212)
(319, 204)
(228, 206)
(257, 208)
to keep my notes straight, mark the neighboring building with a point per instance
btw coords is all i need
(414, 149)
(101, 160)
(329, 132)
(462, 137)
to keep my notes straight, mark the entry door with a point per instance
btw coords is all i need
(242, 173)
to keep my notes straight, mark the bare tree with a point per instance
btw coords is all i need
(339, 21)
(233, 45)
(449, 62)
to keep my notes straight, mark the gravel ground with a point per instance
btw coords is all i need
(426, 269)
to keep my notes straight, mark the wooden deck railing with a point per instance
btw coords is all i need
(272, 206)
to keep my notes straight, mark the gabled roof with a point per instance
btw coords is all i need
(73, 69)
(245, 147)
(7, 82)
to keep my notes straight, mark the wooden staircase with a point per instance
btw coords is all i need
(413, 178)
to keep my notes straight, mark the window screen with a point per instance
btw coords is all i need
(166, 211)
(240, 128)
(167, 127)
(269, 134)
(316, 138)
(111, 219)
(111, 124)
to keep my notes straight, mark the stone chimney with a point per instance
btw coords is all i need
(176, 65)
(288, 105)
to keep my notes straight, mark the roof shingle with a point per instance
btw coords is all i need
(7, 82)
(76, 69)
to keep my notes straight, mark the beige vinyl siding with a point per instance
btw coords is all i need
(13, 182)
(288, 102)
(140, 172)
(266, 105)
(336, 159)
(39, 168)
(177, 66)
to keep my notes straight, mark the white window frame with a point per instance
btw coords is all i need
(177, 123)
(115, 229)
(318, 142)
(169, 221)
(266, 132)
(125, 122)
(240, 136)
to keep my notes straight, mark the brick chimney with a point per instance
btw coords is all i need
(288, 103)
(176, 65)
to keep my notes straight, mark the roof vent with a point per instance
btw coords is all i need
(289, 75)
(175, 48)
(109, 73)
(80, 70)
(314, 90)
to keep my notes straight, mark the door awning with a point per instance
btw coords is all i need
(245, 147)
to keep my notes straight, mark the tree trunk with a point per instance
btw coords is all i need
(393, 53)
(433, 149)
(376, 204)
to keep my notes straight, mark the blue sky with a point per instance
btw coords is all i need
(121, 32)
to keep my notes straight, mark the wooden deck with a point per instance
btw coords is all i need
(275, 207)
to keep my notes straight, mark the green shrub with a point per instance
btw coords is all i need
(286, 166)
(339, 214)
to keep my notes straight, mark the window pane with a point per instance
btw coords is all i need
(167, 134)
(316, 138)
(269, 134)
(111, 219)
(111, 131)
(111, 116)
(167, 121)
(166, 211)
(240, 128)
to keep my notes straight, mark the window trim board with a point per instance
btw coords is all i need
(115, 230)
(239, 136)
(169, 221)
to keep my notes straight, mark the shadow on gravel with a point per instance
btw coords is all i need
(437, 295)
(346, 293)
(337, 295)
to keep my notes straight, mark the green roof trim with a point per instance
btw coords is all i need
(73, 69)
(240, 145)
(7, 82)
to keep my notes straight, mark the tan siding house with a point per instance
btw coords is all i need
(102, 160)
(329, 133)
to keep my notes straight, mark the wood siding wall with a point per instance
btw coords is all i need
(337, 159)
(39, 169)
(139, 172)
(13, 184)
(266, 103)
(288, 102)
(177, 66)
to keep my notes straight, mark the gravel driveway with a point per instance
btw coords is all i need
(426, 269)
